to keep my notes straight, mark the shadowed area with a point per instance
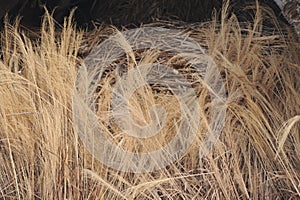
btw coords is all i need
(126, 12)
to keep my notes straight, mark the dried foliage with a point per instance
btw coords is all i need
(256, 157)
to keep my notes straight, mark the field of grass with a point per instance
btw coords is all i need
(256, 157)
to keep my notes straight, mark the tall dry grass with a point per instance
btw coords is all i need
(256, 157)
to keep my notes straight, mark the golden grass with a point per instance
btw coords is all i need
(256, 157)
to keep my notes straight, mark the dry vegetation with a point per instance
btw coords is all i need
(256, 157)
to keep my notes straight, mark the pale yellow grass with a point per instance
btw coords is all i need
(256, 157)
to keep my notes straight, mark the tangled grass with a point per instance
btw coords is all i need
(256, 157)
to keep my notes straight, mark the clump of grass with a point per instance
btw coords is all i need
(256, 157)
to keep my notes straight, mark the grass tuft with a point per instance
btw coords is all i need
(256, 156)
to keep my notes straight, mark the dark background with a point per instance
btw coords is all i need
(124, 12)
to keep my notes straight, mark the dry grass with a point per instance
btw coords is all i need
(256, 157)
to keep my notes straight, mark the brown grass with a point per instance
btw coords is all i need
(256, 157)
